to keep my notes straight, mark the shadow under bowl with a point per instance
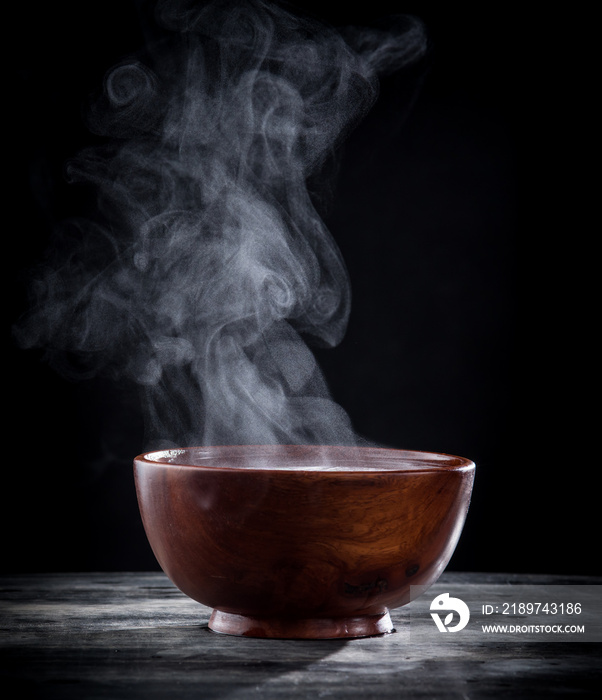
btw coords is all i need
(303, 542)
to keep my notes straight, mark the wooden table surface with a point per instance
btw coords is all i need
(134, 635)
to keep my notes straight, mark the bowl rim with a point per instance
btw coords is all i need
(427, 462)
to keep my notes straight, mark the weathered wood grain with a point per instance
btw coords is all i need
(134, 635)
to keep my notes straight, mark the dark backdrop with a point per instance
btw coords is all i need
(464, 225)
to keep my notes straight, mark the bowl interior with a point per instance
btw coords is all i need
(307, 458)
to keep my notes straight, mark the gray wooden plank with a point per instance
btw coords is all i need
(134, 635)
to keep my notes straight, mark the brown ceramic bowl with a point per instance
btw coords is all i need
(302, 541)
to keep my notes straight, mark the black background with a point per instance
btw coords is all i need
(465, 224)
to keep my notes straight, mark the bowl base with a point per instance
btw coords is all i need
(301, 628)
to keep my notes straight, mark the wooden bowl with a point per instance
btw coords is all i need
(302, 541)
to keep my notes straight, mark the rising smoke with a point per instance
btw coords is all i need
(207, 269)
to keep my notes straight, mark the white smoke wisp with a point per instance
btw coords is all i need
(210, 267)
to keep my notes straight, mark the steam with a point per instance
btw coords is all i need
(208, 268)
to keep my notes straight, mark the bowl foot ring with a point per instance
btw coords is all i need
(301, 628)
